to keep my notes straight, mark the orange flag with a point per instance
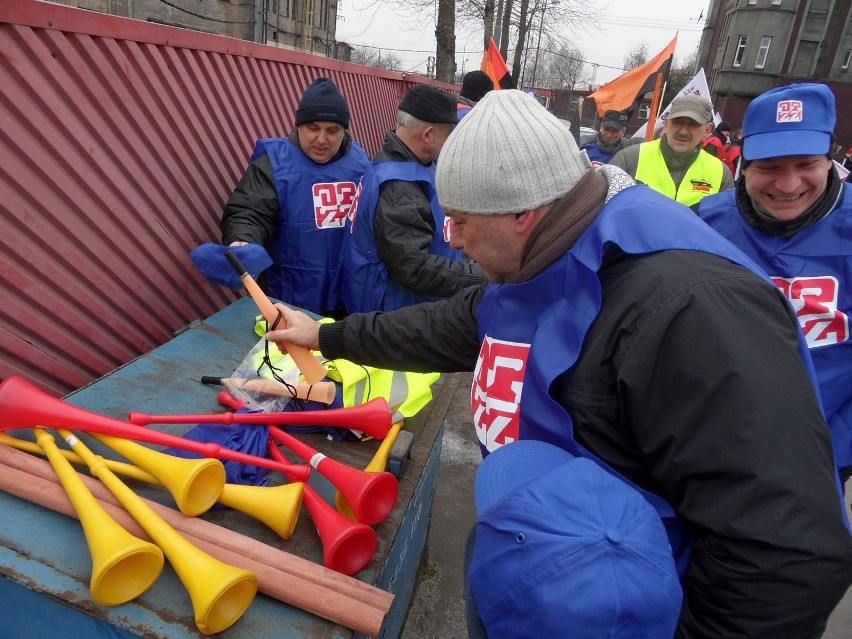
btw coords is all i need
(495, 66)
(623, 93)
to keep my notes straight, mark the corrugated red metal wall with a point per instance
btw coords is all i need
(120, 141)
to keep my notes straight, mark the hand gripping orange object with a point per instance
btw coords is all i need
(307, 364)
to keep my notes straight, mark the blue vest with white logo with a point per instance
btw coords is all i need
(550, 316)
(367, 284)
(814, 270)
(313, 202)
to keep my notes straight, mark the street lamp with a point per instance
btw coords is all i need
(538, 46)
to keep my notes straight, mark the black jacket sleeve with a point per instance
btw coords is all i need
(712, 408)
(436, 336)
(251, 213)
(404, 228)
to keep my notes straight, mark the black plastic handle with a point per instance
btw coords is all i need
(235, 262)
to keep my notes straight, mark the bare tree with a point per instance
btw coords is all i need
(521, 43)
(679, 76)
(445, 37)
(562, 67)
(371, 57)
(506, 24)
(488, 22)
(637, 56)
(562, 19)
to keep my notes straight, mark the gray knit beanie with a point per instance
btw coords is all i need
(507, 155)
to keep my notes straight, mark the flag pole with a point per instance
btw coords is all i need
(655, 108)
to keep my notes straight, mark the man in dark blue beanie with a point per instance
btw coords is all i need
(322, 101)
(294, 198)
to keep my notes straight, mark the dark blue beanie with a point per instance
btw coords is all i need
(323, 101)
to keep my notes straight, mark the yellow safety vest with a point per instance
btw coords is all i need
(406, 392)
(703, 177)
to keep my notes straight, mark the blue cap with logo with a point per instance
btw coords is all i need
(566, 549)
(798, 119)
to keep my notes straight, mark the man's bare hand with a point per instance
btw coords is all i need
(301, 329)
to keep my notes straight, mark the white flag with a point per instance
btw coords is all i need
(696, 86)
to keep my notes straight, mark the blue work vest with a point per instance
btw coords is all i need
(595, 154)
(533, 332)
(313, 203)
(367, 284)
(814, 270)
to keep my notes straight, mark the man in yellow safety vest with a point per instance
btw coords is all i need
(675, 164)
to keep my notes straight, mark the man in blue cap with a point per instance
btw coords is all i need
(294, 198)
(792, 215)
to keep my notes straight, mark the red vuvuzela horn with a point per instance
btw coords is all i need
(372, 495)
(22, 405)
(373, 418)
(347, 546)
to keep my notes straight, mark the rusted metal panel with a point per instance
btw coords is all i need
(120, 142)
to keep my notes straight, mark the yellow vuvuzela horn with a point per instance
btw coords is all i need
(195, 484)
(275, 506)
(377, 464)
(123, 566)
(220, 593)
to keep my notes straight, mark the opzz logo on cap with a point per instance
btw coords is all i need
(789, 111)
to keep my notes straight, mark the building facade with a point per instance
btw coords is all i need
(301, 25)
(751, 46)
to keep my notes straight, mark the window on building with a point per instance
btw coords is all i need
(725, 27)
(776, 2)
(846, 60)
(762, 52)
(324, 14)
(644, 111)
(752, 1)
(740, 52)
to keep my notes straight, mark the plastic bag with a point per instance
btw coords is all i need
(264, 378)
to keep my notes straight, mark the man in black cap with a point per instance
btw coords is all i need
(294, 198)
(474, 87)
(398, 252)
(610, 138)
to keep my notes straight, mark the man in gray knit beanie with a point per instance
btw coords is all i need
(523, 156)
(619, 327)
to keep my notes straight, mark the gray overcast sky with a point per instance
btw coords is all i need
(627, 24)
